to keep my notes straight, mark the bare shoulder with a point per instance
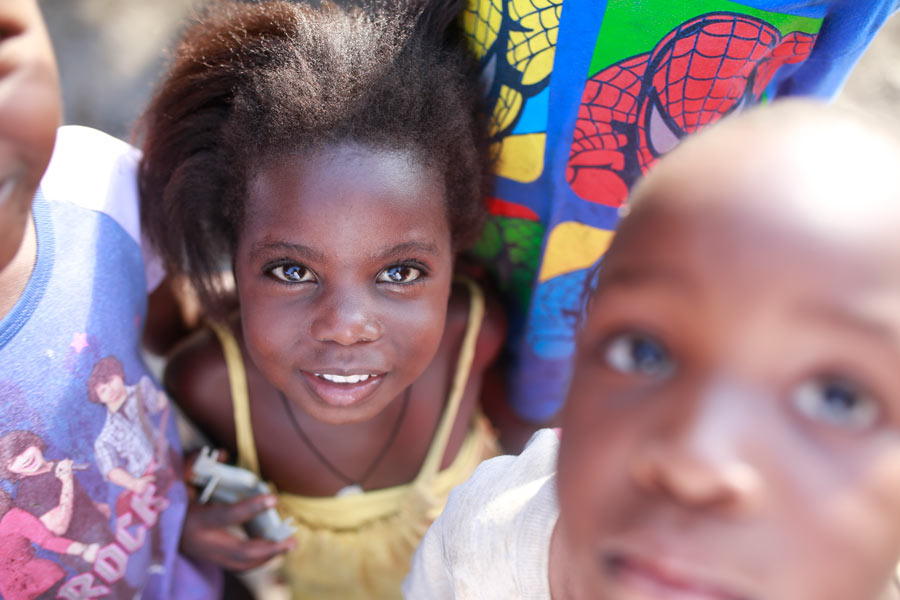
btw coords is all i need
(493, 327)
(196, 376)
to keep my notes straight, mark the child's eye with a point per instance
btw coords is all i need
(292, 273)
(836, 402)
(399, 274)
(638, 354)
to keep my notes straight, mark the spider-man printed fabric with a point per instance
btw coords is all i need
(586, 95)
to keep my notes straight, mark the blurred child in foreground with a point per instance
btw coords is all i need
(732, 430)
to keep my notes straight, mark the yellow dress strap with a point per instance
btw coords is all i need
(240, 399)
(432, 463)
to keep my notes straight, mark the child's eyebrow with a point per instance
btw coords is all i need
(849, 318)
(414, 246)
(635, 276)
(271, 245)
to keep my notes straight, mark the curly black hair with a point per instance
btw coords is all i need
(250, 83)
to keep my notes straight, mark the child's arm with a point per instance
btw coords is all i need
(197, 380)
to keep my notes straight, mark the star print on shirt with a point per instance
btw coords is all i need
(79, 342)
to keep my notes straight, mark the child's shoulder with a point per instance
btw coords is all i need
(96, 171)
(492, 332)
(504, 490)
(196, 376)
(494, 533)
(497, 476)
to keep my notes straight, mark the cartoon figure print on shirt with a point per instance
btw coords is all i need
(24, 525)
(130, 452)
(637, 109)
(48, 491)
(50, 509)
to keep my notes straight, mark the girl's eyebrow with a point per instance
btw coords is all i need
(303, 250)
(407, 247)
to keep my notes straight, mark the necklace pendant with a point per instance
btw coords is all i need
(350, 490)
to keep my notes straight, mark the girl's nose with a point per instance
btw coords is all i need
(346, 319)
(698, 456)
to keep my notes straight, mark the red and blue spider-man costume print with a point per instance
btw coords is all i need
(636, 110)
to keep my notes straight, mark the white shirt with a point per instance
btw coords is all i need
(493, 538)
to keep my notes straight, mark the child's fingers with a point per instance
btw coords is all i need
(225, 515)
(207, 534)
(253, 553)
(225, 549)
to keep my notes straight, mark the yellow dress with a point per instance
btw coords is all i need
(359, 546)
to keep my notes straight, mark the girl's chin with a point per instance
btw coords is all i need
(342, 395)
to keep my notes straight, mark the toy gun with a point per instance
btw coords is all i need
(226, 483)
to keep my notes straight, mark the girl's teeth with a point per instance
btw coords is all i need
(343, 378)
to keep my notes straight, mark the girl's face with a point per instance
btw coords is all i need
(343, 270)
(732, 430)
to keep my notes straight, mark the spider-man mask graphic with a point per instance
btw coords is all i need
(638, 109)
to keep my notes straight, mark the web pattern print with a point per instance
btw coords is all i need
(536, 33)
(636, 110)
(481, 21)
(515, 41)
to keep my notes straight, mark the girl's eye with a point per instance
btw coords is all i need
(292, 273)
(399, 274)
(837, 403)
(638, 354)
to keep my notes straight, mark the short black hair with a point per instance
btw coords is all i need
(252, 82)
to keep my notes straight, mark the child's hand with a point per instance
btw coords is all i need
(208, 534)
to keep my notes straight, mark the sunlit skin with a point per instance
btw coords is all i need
(732, 431)
(343, 268)
(30, 112)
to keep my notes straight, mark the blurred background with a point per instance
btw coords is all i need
(111, 52)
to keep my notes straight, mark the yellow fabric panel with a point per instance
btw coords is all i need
(481, 20)
(522, 157)
(572, 246)
(532, 45)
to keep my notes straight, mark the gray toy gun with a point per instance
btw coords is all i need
(229, 484)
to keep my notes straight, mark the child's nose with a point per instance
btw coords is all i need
(346, 319)
(697, 455)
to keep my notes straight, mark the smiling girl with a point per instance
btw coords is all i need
(334, 160)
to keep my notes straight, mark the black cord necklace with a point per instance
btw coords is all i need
(334, 470)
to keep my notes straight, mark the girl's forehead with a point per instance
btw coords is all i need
(346, 197)
(343, 172)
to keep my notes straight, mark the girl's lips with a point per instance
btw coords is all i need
(662, 580)
(342, 395)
